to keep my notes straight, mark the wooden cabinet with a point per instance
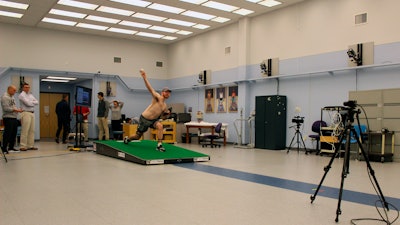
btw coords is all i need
(169, 132)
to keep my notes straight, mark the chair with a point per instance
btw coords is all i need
(208, 139)
(316, 128)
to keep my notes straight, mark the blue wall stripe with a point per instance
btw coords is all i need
(329, 192)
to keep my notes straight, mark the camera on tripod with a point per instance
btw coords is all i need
(298, 119)
(352, 104)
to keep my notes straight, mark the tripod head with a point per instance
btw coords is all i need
(351, 111)
(298, 120)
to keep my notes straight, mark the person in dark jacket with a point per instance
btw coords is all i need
(63, 112)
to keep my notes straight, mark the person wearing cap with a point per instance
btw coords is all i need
(102, 117)
(151, 115)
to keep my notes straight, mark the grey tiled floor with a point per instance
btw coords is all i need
(56, 186)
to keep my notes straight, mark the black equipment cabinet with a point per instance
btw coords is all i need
(270, 122)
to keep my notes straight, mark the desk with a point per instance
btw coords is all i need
(204, 125)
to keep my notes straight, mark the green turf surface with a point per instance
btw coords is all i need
(146, 149)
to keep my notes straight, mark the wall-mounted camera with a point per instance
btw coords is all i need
(204, 77)
(361, 54)
(270, 67)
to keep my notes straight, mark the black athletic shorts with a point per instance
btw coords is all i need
(144, 124)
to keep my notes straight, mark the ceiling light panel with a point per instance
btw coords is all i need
(220, 6)
(134, 24)
(67, 13)
(180, 22)
(58, 21)
(122, 31)
(163, 29)
(78, 4)
(133, 2)
(14, 5)
(62, 78)
(55, 80)
(116, 11)
(148, 17)
(102, 19)
(184, 32)
(220, 19)
(201, 26)
(166, 8)
(197, 2)
(91, 26)
(198, 15)
(269, 3)
(169, 38)
(151, 35)
(243, 12)
(11, 14)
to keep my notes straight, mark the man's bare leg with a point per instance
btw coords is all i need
(136, 136)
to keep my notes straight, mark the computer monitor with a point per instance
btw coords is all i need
(83, 96)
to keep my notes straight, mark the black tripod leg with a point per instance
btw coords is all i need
(5, 157)
(345, 171)
(304, 145)
(291, 143)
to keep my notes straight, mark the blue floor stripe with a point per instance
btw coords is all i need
(329, 192)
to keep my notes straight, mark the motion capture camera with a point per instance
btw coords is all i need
(351, 103)
(298, 119)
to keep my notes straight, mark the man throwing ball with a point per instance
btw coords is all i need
(151, 115)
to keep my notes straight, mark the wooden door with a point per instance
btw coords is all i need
(48, 116)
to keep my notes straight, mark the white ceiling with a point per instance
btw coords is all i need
(38, 9)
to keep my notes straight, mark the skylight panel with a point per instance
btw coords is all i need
(270, 3)
(197, 2)
(91, 26)
(163, 29)
(122, 31)
(77, 4)
(13, 4)
(148, 17)
(10, 14)
(151, 35)
(198, 15)
(201, 26)
(220, 19)
(115, 11)
(243, 12)
(67, 13)
(165, 8)
(58, 21)
(134, 24)
(139, 3)
(179, 22)
(102, 19)
(220, 6)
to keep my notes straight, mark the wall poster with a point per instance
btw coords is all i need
(221, 99)
(209, 100)
(233, 98)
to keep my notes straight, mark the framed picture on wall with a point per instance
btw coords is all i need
(209, 100)
(109, 88)
(233, 99)
(221, 99)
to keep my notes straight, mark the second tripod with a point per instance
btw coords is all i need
(299, 137)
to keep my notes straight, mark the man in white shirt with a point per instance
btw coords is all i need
(27, 104)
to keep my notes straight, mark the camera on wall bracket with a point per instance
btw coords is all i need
(298, 119)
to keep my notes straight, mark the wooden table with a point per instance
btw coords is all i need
(204, 125)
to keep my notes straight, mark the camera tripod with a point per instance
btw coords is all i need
(298, 137)
(4, 155)
(347, 132)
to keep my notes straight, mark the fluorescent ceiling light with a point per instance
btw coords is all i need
(58, 21)
(169, 38)
(198, 15)
(61, 78)
(270, 3)
(77, 4)
(201, 26)
(91, 26)
(13, 4)
(55, 80)
(220, 19)
(123, 31)
(67, 13)
(133, 2)
(11, 14)
(243, 12)
(115, 11)
(197, 2)
(148, 17)
(179, 22)
(134, 24)
(184, 32)
(165, 8)
(102, 19)
(254, 1)
(145, 34)
(163, 29)
(220, 6)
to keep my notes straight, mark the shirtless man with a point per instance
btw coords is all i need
(151, 115)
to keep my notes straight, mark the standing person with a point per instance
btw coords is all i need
(151, 115)
(84, 123)
(102, 117)
(10, 113)
(116, 119)
(27, 103)
(63, 112)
